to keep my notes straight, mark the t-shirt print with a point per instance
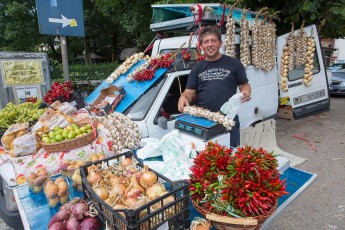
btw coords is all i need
(214, 74)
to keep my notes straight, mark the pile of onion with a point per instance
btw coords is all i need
(74, 215)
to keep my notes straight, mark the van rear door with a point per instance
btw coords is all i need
(305, 100)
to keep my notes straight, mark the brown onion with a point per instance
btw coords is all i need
(118, 189)
(101, 192)
(134, 189)
(93, 177)
(155, 191)
(131, 202)
(148, 178)
(126, 162)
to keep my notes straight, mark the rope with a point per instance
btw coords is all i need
(300, 136)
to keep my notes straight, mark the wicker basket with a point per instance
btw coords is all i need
(70, 144)
(231, 223)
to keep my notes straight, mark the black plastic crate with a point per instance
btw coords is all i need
(174, 215)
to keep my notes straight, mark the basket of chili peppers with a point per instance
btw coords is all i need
(235, 189)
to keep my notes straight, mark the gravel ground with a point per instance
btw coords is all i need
(322, 205)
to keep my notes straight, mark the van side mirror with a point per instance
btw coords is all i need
(162, 122)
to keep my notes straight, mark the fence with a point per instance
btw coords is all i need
(84, 72)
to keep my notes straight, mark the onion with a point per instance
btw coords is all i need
(134, 189)
(118, 189)
(131, 203)
(57, 226)
(79, 209)
(60, 216)
(120, 206)
(126, 162)
(155, 191)
(148, 178)
(102, 192)
(66, 206)
(73, 224)
(90, 223)
(93, 177)
(117, 180)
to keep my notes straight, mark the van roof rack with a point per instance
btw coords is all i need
(179, 18)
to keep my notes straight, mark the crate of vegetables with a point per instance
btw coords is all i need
(128, 195)
(66, 138)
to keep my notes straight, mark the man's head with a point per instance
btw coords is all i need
(210, 38)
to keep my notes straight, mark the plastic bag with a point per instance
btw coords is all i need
(24, 145)
(230, 108)
(150, 149)
(173, 147)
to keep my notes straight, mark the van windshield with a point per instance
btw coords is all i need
(138, 110)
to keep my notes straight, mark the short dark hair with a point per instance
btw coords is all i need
(210, 30)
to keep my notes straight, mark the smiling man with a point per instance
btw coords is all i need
(215, 79)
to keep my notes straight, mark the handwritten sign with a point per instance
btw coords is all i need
(28, 72)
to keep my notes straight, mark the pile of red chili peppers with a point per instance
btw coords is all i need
(58, 90)
(164, 61)
(244, 183)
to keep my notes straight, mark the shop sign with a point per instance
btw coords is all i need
(28, 72)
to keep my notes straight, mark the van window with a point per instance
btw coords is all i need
(138, 110)
(298, 71)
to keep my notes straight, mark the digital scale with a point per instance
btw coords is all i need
(198, 126)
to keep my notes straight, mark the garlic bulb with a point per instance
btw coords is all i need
(284, 67)
(307, 78)
(301, 46)
(244, 45)
(126, 66)
(291, 41)
(123, 131)
(205, 113)
(230, 36)
(257, 40)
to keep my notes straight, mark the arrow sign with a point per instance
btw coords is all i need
(64, 21)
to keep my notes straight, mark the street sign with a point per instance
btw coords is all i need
(61, 17)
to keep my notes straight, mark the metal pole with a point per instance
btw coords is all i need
(63, 43)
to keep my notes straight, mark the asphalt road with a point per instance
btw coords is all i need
(322, 204)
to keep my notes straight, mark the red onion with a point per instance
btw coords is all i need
(73, 224)
(79, 209)
(66, 206)
(90, 223)
(60, 216)
(57, 226)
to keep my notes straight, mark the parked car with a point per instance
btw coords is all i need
(336, 66)
(337, 86)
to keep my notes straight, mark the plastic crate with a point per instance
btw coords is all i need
(174, 215)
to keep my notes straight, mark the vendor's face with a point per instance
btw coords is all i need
(211, 45)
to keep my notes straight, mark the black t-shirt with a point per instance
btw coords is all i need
(216, 81)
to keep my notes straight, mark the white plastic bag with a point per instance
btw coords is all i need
(150, 149)
(230, 108)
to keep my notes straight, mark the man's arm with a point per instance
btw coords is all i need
(185, 99)
(245, 89)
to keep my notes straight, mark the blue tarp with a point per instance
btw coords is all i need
(133, 89)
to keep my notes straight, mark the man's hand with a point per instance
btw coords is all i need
(182, 102)
(246, 91)
(246, 96)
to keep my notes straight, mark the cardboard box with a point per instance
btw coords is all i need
(107, 101)
(285, 112)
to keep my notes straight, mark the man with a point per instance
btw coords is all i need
(215, 79)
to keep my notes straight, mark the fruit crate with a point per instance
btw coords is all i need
(174, 215)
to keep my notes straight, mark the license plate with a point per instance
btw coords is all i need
(309, 97)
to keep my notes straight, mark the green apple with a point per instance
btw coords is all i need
(88, 126)
(71, 135)
(82, 129)
(59, 138)
(51, 134)
(56, 128)
(77, 131)
(69, 128)
(53, 140)
(44, 135)
(46, 140)
(65, 134)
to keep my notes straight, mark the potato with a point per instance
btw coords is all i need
(40, 180)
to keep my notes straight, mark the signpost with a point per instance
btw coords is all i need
(64, 18)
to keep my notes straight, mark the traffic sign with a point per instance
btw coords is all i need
(61, 17)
